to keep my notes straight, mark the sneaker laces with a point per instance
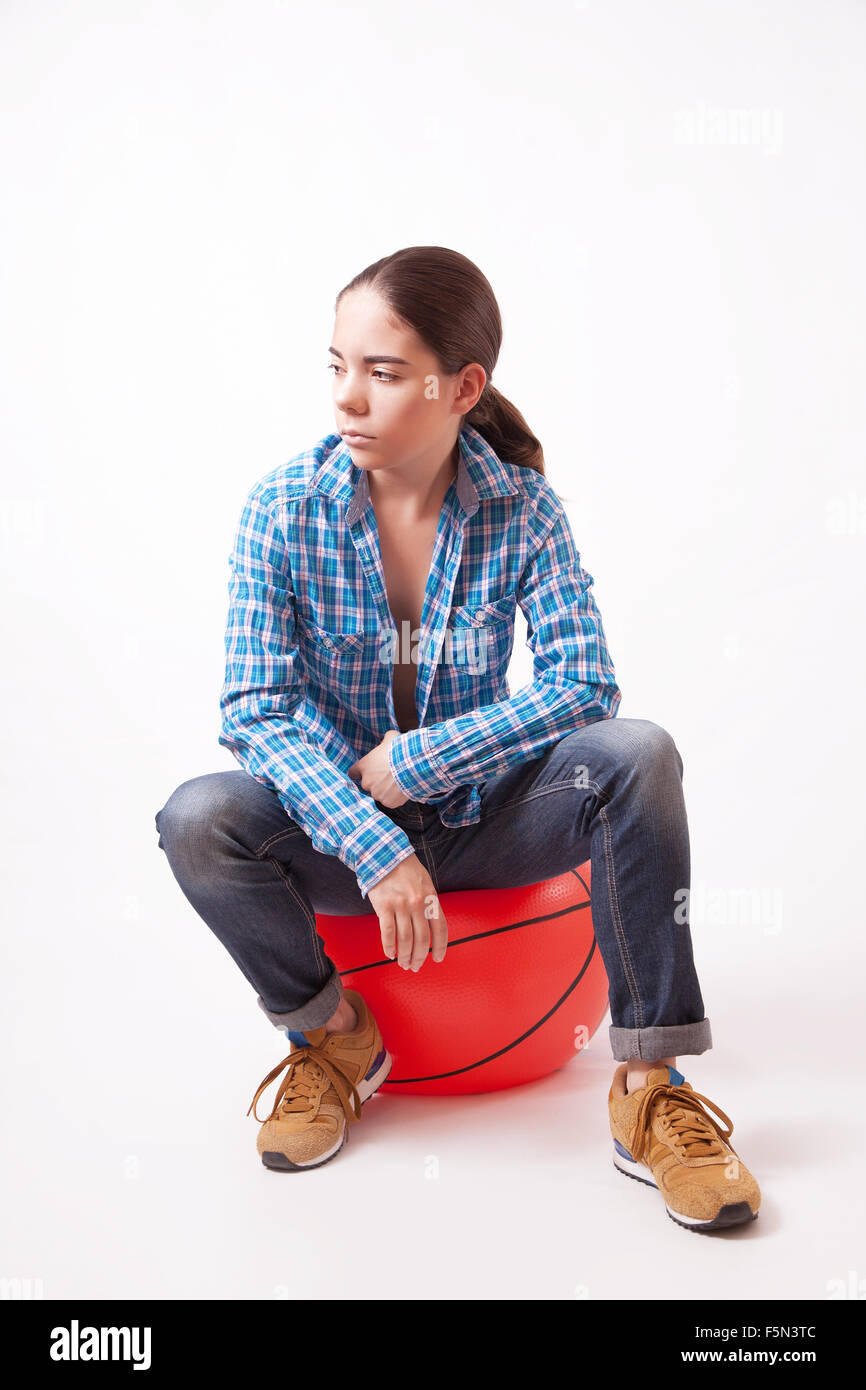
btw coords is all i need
(693, 1131)
(300, 1087)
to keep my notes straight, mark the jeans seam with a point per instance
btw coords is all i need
(448, 830)
(517, 801)
(414, 824)
(430, 863)
(542, 791)
(312, 921)
(624, 956)
(284, 834)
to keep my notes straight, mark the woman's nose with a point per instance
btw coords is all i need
(350, 401)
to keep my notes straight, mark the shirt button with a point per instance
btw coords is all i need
(479, 615)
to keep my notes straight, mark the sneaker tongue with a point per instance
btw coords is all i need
(669, 1076)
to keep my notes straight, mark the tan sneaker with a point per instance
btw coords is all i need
(329, 1077)
(663, 1136)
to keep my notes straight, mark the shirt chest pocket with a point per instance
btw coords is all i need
(334, 660)
(479, 637)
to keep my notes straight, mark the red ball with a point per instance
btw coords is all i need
(522, 987)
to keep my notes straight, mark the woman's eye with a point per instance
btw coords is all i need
(379, 372)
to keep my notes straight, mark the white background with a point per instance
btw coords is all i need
(668, 201)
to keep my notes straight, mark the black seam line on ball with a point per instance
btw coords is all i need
(493, 931)
(436, 1076)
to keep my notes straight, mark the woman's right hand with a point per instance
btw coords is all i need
(410, 915)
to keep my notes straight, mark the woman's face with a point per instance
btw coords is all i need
(405, 407)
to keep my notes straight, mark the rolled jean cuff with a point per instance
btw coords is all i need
(649, 1044)
(314, 1012)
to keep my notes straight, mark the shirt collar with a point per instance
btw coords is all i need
(480, 473)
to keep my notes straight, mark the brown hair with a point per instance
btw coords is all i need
(445, 298)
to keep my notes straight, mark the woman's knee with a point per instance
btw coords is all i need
(657, 747)
(643, 744)
(195, 809)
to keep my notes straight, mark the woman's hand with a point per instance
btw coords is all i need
(374, 774)
(406, 903)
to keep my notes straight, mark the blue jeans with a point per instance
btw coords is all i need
(610, 792)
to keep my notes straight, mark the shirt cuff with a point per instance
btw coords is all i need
(415, 768)
(372, 851)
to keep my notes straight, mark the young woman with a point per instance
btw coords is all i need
(383, 759)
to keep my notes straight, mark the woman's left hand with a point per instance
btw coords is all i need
(374, 774)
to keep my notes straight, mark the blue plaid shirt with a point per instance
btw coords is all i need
(310, 642)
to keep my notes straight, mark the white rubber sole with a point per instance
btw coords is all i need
(732, 1215)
